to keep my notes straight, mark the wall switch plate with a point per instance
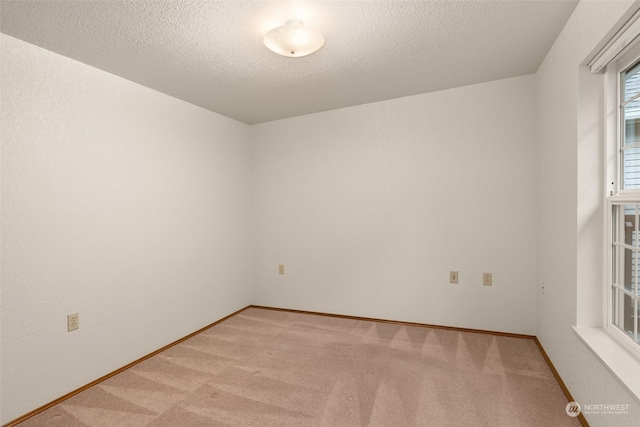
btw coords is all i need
(487, 279)
(73, 322)
(453, 277)
(281, 269)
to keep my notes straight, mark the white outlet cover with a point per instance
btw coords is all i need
(73, 322)
(487, 279)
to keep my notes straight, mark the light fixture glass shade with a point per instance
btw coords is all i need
(293, 39)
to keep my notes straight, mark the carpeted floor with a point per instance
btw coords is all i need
(272, 368)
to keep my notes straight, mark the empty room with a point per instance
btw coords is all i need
(320, 213)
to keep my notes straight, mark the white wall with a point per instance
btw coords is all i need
(135, 209)
(370, 207)
(120, 203)
(570, 209)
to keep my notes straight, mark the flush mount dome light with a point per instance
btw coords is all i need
(293, 39)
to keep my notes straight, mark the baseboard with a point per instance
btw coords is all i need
(555, 373)
(564, 388)
(399, 322)
(116, 372)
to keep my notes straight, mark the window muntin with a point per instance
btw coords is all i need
(625, 274)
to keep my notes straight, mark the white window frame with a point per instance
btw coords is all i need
(613, 173)
(618, 354)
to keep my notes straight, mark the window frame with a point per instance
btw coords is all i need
(615, 194)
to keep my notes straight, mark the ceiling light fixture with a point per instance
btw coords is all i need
(293, 39)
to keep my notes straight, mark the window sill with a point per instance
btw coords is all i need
(622, 364)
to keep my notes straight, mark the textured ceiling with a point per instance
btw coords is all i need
(210, 53)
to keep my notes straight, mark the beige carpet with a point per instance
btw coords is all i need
(271, 368)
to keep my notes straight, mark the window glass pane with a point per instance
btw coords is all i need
(637, 320)
(632, 123)
(631, 167)
(631, 81)
(630, 110)
(615, 274)
(628, 269)
(629, 226)
(623, 315)
(616, 303)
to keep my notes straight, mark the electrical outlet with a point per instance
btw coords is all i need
(487, 279)
(281, 269)
(73, 322)
(453, 277)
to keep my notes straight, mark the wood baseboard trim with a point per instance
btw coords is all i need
(398, 322)
(116, 372)
(555, 373)
(563, 386)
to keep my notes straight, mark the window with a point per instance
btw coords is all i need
(623, 302)
(609, 107)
